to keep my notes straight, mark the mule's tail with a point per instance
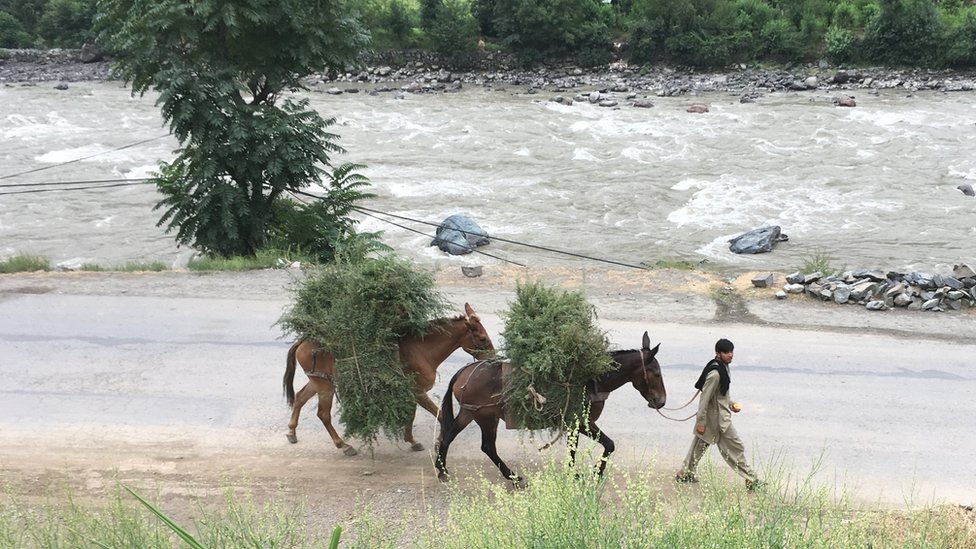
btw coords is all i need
(446, 415)
(289, 380)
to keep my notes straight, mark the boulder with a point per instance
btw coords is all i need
(756, 241)
(459, 235)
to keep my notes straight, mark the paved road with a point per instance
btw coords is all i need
(889, 415)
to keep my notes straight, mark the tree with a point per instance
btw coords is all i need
(221, 68)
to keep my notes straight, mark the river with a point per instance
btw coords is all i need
(874, 186)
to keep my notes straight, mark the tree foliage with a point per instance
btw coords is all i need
(323, 228)
(905, 32)
(221, 69)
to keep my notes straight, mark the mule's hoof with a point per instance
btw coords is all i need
(292, 438)
(349, 451)
(519, 482)
(443, 476)
(417, 447)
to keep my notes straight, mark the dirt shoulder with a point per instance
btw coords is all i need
(661, 295)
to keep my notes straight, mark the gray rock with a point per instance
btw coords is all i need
(903, 300)
(875, 305)
(812, 277)
(781, 295)
(863, 290)
(842, 294)
(963, 271)
(967, 189)
(459, 235)
(756, 241)
(764, 280)
(931, 304)
(873, 274)
(794, 288)
(795, 278)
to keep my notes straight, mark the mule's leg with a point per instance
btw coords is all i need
(325, 415)
(596, 434)
(444, 440)
(489, 435)
(296, 409)
(408, 434)
(427, 404)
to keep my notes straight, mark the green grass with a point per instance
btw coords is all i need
(264, 259)
(820, 262)
(131, 267)
(560, 507)
(25, 263)
(673, 263)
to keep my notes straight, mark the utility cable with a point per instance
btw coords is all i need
(475, 250)
(85, 182)
(364, 210)
(52, 166)
(92, 187)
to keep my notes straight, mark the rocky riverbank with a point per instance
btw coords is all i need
(417, 71)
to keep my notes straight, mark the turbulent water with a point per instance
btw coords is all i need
(873, 186)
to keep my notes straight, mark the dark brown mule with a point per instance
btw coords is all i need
(420, 355)
(478, 389)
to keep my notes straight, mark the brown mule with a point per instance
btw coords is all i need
(478, 388)
(420, 355)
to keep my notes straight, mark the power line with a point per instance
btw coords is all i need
(475, 250)
(92, 187)
(85, 182)
(364, 210)
(82, 158)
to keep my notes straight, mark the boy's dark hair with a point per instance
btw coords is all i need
(724, 346)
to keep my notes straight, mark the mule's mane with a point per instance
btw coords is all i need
(448, 320)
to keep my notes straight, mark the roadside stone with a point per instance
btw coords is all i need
(875, 305)
(795, 278)
(963, 271)
(764, 280)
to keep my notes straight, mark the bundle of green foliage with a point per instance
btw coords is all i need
(358, 311)
(556, 347)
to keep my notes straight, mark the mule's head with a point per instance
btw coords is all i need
(647, 377)
(477, 342)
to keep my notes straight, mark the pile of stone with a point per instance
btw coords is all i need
(879, 291)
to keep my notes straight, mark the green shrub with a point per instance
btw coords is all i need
(12, 33)
(781, 39)
(905, 32)
(960, 40)
(454, 32)
(846, 16)
(840, 45)
(25, 263)
(324, 229)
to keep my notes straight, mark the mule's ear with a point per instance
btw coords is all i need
(655, 349)
(468, 310)
(646, 343)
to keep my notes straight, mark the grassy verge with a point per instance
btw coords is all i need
(561, 507)
(25, 263)
(263, 259)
